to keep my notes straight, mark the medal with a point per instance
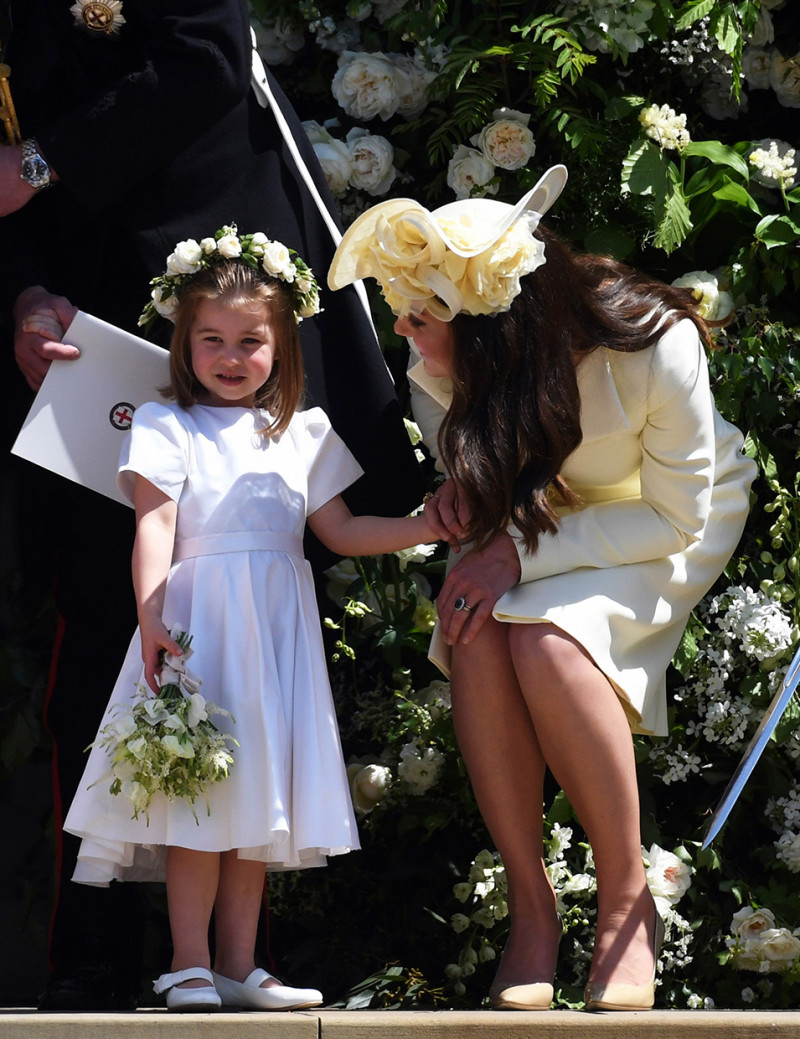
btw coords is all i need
(103, 16)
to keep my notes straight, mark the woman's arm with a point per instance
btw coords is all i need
(156, 518)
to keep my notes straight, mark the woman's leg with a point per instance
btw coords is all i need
(192, 879)
(241, 884)
(585, 738)
(506, 769)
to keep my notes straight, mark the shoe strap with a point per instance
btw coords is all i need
(257, 978)
(168, 981)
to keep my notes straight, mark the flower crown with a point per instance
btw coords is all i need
(255, 250)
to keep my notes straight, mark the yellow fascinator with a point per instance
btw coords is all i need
(465, 257)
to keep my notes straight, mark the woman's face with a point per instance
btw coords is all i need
(432, 337)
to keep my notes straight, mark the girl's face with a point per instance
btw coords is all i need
(432, 337)
(233, 349)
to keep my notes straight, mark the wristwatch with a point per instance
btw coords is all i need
(34, 170)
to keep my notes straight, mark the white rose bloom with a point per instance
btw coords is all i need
(756, 65)
(507, 142)
(229, 246)
(784, 78)
(667, 876)
(369, 784)
(780, 947)
(420, 767)
(208, 245)
(278, 41)
(469, 173)
(316, 132)
(764, 31)
(334, 158)
(186, 258)
(165, 307)
(715, 304)
(371, 157)
(750, 923)
(412, 82)
(365, 85)
(276, 260)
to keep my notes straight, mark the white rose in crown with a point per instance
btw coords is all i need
(277, 260)
(469, 173)
(365, 85)
(371, 158)
(229, 246)
(185, 259)
(668, 877)
(507, 142)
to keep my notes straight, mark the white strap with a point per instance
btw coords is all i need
(168, 981)
(265, 97)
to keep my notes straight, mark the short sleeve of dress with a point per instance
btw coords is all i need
(157, 449)
(330, 466)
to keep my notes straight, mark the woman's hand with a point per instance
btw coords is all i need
(41, 320)
(446, 516)
(475, 584)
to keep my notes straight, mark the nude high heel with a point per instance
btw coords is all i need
(620, 996)
(538, 995)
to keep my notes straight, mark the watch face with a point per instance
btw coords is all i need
(35, 171)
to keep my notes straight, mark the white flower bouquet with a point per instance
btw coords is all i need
(166, 743)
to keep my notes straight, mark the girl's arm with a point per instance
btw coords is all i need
(349, 535)
(156, 518)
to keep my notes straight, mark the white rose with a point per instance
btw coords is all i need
(412, 82)
(751, 923)
(315, 131)
(469, 173)
(276, 260)
(714, 303)
(507, 142)
(229, 246)
(365, 85)
(279, 41)
(185, 259)
(334, 158)
(764, 31)
(780, 947)
(371, 162)
(784, 78)
(756, 64)
(667, 876)
(208, 245)
(369, 784)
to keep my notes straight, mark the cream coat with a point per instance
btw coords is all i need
(665, 487)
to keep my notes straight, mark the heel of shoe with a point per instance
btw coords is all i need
(619, 996)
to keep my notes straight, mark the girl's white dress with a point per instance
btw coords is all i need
(240, 585)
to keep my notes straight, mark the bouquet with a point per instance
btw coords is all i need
(167, 743)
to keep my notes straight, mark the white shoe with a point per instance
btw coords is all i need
(249, 995)
(189, 999)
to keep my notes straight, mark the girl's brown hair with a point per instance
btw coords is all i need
(515, 412)
(232, 282)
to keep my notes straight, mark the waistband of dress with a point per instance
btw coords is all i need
(238, 541)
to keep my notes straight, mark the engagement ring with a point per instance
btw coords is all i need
(461, 604)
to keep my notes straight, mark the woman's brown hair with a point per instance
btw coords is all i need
(515, 412)
(232, 282)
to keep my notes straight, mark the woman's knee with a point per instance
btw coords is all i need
(547, 648)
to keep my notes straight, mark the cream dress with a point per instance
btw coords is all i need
(665, 487)
(240, 585)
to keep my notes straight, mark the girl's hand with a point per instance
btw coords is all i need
(155, 637)
(445, 517)
(475, 583)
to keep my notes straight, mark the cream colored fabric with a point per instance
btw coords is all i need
(665, 487)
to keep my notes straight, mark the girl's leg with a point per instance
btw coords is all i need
(586, 741)
(506, 769)
(192, 879)
(236, 911)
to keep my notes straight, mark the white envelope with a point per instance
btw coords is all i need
(83, 410)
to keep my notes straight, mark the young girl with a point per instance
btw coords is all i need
(224, 481)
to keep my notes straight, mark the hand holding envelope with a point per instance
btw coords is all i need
(84, 407)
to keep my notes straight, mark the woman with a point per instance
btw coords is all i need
(601, 495)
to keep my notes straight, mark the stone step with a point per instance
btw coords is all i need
(391, 1024)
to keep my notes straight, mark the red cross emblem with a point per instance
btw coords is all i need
(121, 415)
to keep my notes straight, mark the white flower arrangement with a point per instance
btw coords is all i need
(166, 743)
(758, 944)
(255, 250)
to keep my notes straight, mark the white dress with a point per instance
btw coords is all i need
(240, 585)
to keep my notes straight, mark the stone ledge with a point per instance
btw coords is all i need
(389, 1024)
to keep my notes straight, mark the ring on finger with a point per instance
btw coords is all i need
(461, 604)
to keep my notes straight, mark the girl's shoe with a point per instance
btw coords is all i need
(188, 999)
(249, 995)
(618, 995)
(538, 995)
